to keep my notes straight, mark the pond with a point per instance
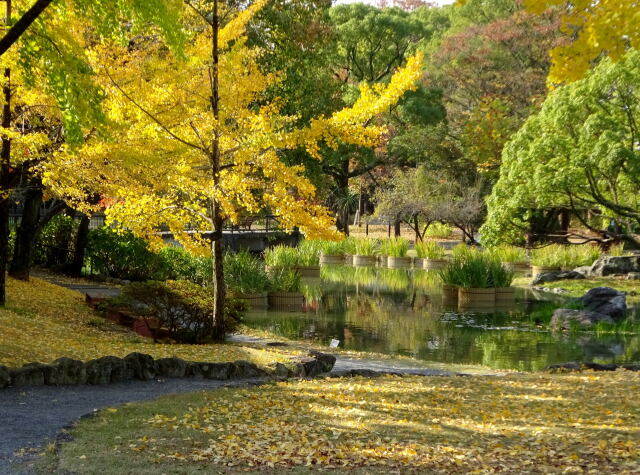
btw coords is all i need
(401, 312)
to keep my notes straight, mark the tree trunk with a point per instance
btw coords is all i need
(26, 235)
(82, 239)
(396, 229)
(4, 247)
(5, 176)
(217, 324)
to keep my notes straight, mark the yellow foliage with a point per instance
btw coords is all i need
(156, 167)
(43, 322)
(519, 423)
(598, 27)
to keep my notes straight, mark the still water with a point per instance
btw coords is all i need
(401, 312)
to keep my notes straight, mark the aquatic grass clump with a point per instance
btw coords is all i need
(281, 256)
(565, 256)
(476, 271)
(430, 250)
(284, 279)
(461, 251)
(510, 254)
(367, 247)
(617, 250)
(244, 273)
(308, 256)
(332, 248)
(396, 247)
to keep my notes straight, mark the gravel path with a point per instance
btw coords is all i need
(31, 417)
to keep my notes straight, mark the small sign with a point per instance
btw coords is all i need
(334, 343)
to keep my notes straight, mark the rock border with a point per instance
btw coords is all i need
(142, 367)
(587, 365)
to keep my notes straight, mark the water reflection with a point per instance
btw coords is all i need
(398, 311)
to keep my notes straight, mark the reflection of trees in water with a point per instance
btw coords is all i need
(369, 313)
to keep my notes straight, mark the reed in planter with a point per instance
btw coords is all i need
(513, 258)
(451, 277)
(500, 278)
(366, 252)
(332, 252)
(476, 289)
(308, 263)
(281, 256)
(432, 255)
(396, 251)
(546, 259)
(246, 279)
(285, 289)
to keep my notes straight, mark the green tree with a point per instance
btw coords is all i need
(579, 153)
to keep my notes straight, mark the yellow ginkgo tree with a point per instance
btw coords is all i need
(594, 28)
(193, 143)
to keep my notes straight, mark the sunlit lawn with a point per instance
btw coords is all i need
(520, 423)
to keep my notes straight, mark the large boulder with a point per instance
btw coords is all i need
(31, 374)
(607, 301)
(66, 371)
(557, 275)
(105, 370)
(325, 361)
(611, 265)
(141, 366)
(171, 367)
(217, 371)
(5, 377)
(564, 319)
(245, 370)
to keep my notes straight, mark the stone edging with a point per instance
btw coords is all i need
(568, 367)
(142, 367)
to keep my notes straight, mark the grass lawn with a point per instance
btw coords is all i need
(43, 322)
(518, 423)
(577, 288)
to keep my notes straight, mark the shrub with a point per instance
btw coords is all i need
(284, 279)
(56, 239)
(123, 255)
(183, 308)
(244, 273)
(430, 250)
(366, 247)
(439, 231)
(281, 256)
(396, 247)
(179, 264)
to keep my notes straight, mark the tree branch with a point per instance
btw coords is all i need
(25, 21)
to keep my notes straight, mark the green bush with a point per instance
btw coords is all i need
(180, 264)
(439, 231)
(244, 273)
(124, 256)
(183, 308)
(430, 250)
(57, 239)
(284, 279)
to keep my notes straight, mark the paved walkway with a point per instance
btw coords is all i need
(32, 417)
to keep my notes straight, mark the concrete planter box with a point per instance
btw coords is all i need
(517, 267)
(434, 264)
(253, 301)
(383, 261)
(535, 270)
(398, 262)
(418, 263)
(364, 261)
(331, 259)
(505, 296)
(308, 271)
(449, 295)
(476, 298)
(287, 301)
